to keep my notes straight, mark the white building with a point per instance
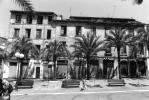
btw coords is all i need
(43, 27)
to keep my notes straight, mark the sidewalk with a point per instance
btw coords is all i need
(55, 87)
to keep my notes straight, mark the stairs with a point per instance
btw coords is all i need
(70, 83)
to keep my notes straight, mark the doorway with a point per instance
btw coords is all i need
(108, 66)
(132, 68)
(124, 68)
(37, 72)
(142, 67)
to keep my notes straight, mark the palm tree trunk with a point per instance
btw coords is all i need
(119, 68)
(21, 69)
(88, 69)
(54, 76)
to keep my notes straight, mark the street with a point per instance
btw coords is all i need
(111, 95)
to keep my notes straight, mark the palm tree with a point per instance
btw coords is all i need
(25, 46)
(135, 50)
(53, 51)
(3, 53)
(25, 4)
(88, 45)
(119, 38)
(143, 33)
(138, 2)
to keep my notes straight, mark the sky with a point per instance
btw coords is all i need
(92, 8)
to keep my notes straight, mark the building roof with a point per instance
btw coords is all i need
(102, 22)
(101, 19)
(35, 12)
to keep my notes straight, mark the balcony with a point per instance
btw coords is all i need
(123, 54)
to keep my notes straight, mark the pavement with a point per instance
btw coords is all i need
(54, 87)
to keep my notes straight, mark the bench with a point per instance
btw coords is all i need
(70, 83)
(116, 82)
(24, 84)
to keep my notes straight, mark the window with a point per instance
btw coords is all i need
(141, 47)
(62, 62)
(64, 43)
(38, 33)
(0, 62)
(38, 47)
(108, 52)
(107, 30)
(13, 63)
(28, 33)
(49, 19)
(18, 18)
(93, 30)
(63, 30)
(48, 34)
(16, 32)
(29, 19)
(78, 30)
(39, 19)
(123, 50)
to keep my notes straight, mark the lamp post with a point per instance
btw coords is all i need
(19, 56)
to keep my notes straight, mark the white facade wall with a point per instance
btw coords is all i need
(56, 34)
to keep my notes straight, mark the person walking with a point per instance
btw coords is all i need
(82, 85)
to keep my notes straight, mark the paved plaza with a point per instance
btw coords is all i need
(51, 90)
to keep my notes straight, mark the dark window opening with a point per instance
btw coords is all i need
(28, 33)
(64, 43)
(13, 63)
(123, 50)
(49, 19)
(29, 19)
(18, 18)
(38, 47)
(62, 62)
(63, 30)
(141, 47)
(78, 30)
(38, 33)
(94, 31)
(48, 34)
(108, 52)
(16, 32)
(39, 19)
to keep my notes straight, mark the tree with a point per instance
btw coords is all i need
(88, 45)
(143, 33)
(25, 4)
(25, 46)
(3, 53)
(135, 49)
(53, 51)
(138, 2)
(119, 38)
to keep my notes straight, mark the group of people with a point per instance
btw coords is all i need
(5, 89)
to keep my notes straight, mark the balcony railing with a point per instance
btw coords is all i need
(108, 54)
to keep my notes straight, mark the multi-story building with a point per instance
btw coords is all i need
(43, 27)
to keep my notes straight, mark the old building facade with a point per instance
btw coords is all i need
(43, 27)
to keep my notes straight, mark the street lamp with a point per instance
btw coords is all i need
(19, 56)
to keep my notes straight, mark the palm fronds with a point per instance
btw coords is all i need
(25, 4)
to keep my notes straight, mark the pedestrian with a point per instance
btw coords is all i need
(82, 85)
